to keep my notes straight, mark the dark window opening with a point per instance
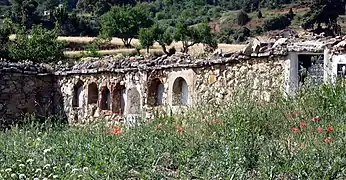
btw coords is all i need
(77, 94)
(155, 92)
(118, 102)
(93, 93)
(105, 99)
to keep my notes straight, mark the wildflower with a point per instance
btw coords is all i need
(328, 140)
(330, 128)
(302, 124)
(74, 170)
(214, 120)
(67, 165)
(158, 126)
(180, 129)
(38, 170)
(295, 129)
(46, 166)
(22, 176)
(316, 118)
(319, 129)
(47, 150)
(116, 130)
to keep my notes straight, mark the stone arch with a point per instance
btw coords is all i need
(180, 92)
(78, 93)
(105, 98)
(133, 101)
(118, 102)
(155, 92)
(93, 93)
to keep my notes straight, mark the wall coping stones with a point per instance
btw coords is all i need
(254, 50)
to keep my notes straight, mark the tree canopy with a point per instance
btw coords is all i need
(124, 22)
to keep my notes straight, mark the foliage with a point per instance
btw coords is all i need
(324, 11)
(301, 137)
(277, 23)
(194, 35)
(5, 32)
(39, 45)
(124, 22)
(92, 49)
(146, 38)
(242, 18)
(242, 34)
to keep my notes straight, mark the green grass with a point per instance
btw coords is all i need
(245, 139)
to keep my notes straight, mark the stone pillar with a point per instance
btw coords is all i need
(291, 73)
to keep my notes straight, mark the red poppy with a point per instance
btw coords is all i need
(319, 129)
(330, 128)
(295, 129)
(316, 118)
(214, 120)
(158, 126)
(180, 129)
(116, 130)
(328, 140)
(302, 124)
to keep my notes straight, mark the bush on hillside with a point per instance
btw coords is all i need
(242, 18)
(277, 23)
(242, 34)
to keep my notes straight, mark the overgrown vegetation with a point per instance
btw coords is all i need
(289, 138)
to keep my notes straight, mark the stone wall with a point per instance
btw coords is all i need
(138, 92)
(136, 87)
(24, 89)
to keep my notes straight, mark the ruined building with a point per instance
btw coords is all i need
(133, 87)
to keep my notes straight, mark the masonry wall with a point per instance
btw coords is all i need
(137, 94)
(22, 93)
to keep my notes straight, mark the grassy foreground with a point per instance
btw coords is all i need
(298, 138)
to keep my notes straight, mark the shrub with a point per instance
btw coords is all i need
(242, 18)
(277, 23)
(241, 34)
(40, 45)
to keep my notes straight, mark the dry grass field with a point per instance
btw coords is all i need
(194, 50)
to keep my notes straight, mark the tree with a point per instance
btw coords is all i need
(146, 38)
(40, 46)
(124, 22)
(193, 35)
(163, 36)
(24, 11)
(5, 31)
(156, 33)
(324, 11)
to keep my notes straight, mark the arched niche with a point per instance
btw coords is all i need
(93, 93)
(155, 92)
(105, 99)
(78, 93)
(118, 102)
(180, 92)
(133, 101)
